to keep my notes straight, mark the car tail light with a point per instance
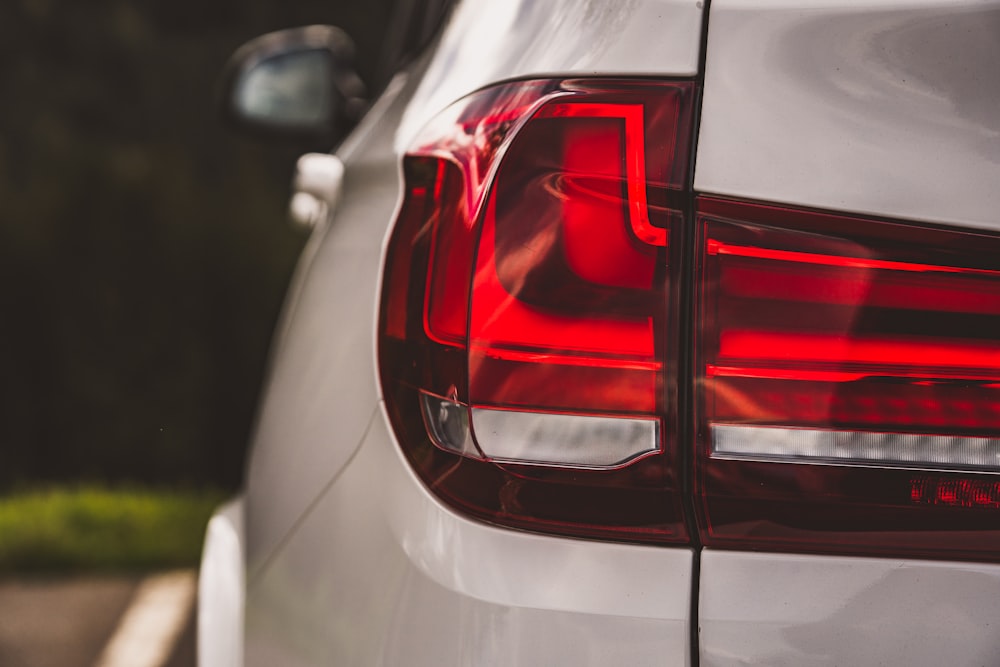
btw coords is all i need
(845, 382)
(849, 384)
(530, 293)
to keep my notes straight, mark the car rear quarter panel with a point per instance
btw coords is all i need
(379, 573)
(350, 559)
(322, 389)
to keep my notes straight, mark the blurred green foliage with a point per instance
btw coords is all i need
(94, 529)
(143, 249)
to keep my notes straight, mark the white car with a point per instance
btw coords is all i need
(631, 332)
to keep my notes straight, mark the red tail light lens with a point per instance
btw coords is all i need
(849, 375)
(529, 292)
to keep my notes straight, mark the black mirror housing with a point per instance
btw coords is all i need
(298, 83)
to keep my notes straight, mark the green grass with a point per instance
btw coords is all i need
(93, 529)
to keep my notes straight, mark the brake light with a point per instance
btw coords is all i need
(849, 375)
(529, 296)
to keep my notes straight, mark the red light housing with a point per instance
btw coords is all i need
(848, 382)
(530, 290)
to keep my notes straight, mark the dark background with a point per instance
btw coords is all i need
(144, 251)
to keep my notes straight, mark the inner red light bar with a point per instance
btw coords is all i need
(715, 247)
(877, 355)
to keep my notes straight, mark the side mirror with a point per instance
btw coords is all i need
(297, 84)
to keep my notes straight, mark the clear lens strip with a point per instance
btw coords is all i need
(568, 440)
(855, 448)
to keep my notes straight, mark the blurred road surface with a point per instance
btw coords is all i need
(67, 622)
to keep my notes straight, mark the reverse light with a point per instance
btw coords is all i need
(529, 296)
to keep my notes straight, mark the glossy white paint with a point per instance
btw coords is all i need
(379, 573)
(221, 587)
(807, 611)
(886, 107)
(321, 390)
(488, 41)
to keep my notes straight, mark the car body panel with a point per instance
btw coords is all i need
(338, 568)
(322, 387)
(807, 611)
(221, 589)
(379, 572)
(321, 390)
(884, 107)
(488, 41)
